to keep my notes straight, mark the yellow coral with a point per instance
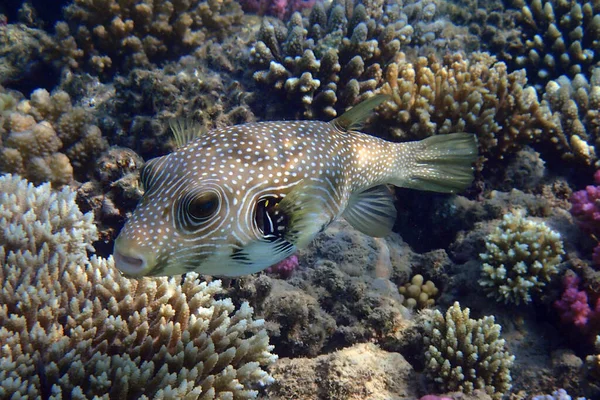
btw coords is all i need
(475, 94)
(417, 293)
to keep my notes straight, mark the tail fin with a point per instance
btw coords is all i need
(441, 163)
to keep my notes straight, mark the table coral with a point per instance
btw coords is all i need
(465, 354)
(521, 257)
(72, 326)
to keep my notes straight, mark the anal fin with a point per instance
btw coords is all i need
(372, 212)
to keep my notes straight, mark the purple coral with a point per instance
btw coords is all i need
(285, 267)
(585, 208)
(575, 307)
(277, 8)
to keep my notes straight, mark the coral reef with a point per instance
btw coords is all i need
(472, 94)
(465, 354)
(26, 57)
(119, 35)
(340, 295)
(362, 371)
(146, 99)
(74, 327)
(558, 38)
(521, 258)
(45, 139)
(330, 60)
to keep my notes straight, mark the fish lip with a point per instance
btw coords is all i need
(130, 265)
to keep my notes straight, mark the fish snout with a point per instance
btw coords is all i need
(130, 260)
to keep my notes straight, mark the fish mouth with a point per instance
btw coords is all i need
(129, 265)
(129, 260)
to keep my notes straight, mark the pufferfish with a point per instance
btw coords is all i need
(236, 200)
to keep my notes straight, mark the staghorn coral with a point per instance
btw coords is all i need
(119, 35)
(560, 38)
(74, 327)
(332, 59)
(45, 139)
(454, 94)
(465, 354)
(521, 257)
(575, 107)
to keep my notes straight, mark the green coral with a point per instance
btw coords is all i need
(465, 354)
(521, 258)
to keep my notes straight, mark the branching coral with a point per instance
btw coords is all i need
(575, 107)
(332, 59)
(522, 257)
(465, 354)
(45, 138)
(561, 37)
(116, 35)
(73, 327)
(475, 94)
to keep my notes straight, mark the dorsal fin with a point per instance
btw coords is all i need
(185, 131)
(356, 116)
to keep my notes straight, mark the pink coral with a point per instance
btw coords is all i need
(277, 8)
(573, 306)
(585, 208)
(284, 268)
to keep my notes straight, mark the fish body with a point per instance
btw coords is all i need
(236, 200)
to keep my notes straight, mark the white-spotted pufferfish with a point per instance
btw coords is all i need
(236, 200)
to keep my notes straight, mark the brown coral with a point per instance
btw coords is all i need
(575, 107)
(454, 94)
(45, 138)
(118, 35)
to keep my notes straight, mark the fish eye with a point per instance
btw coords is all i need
(203, 205)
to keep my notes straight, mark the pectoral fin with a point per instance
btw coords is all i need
(260, 254)
(304, 209)
(372, 212)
